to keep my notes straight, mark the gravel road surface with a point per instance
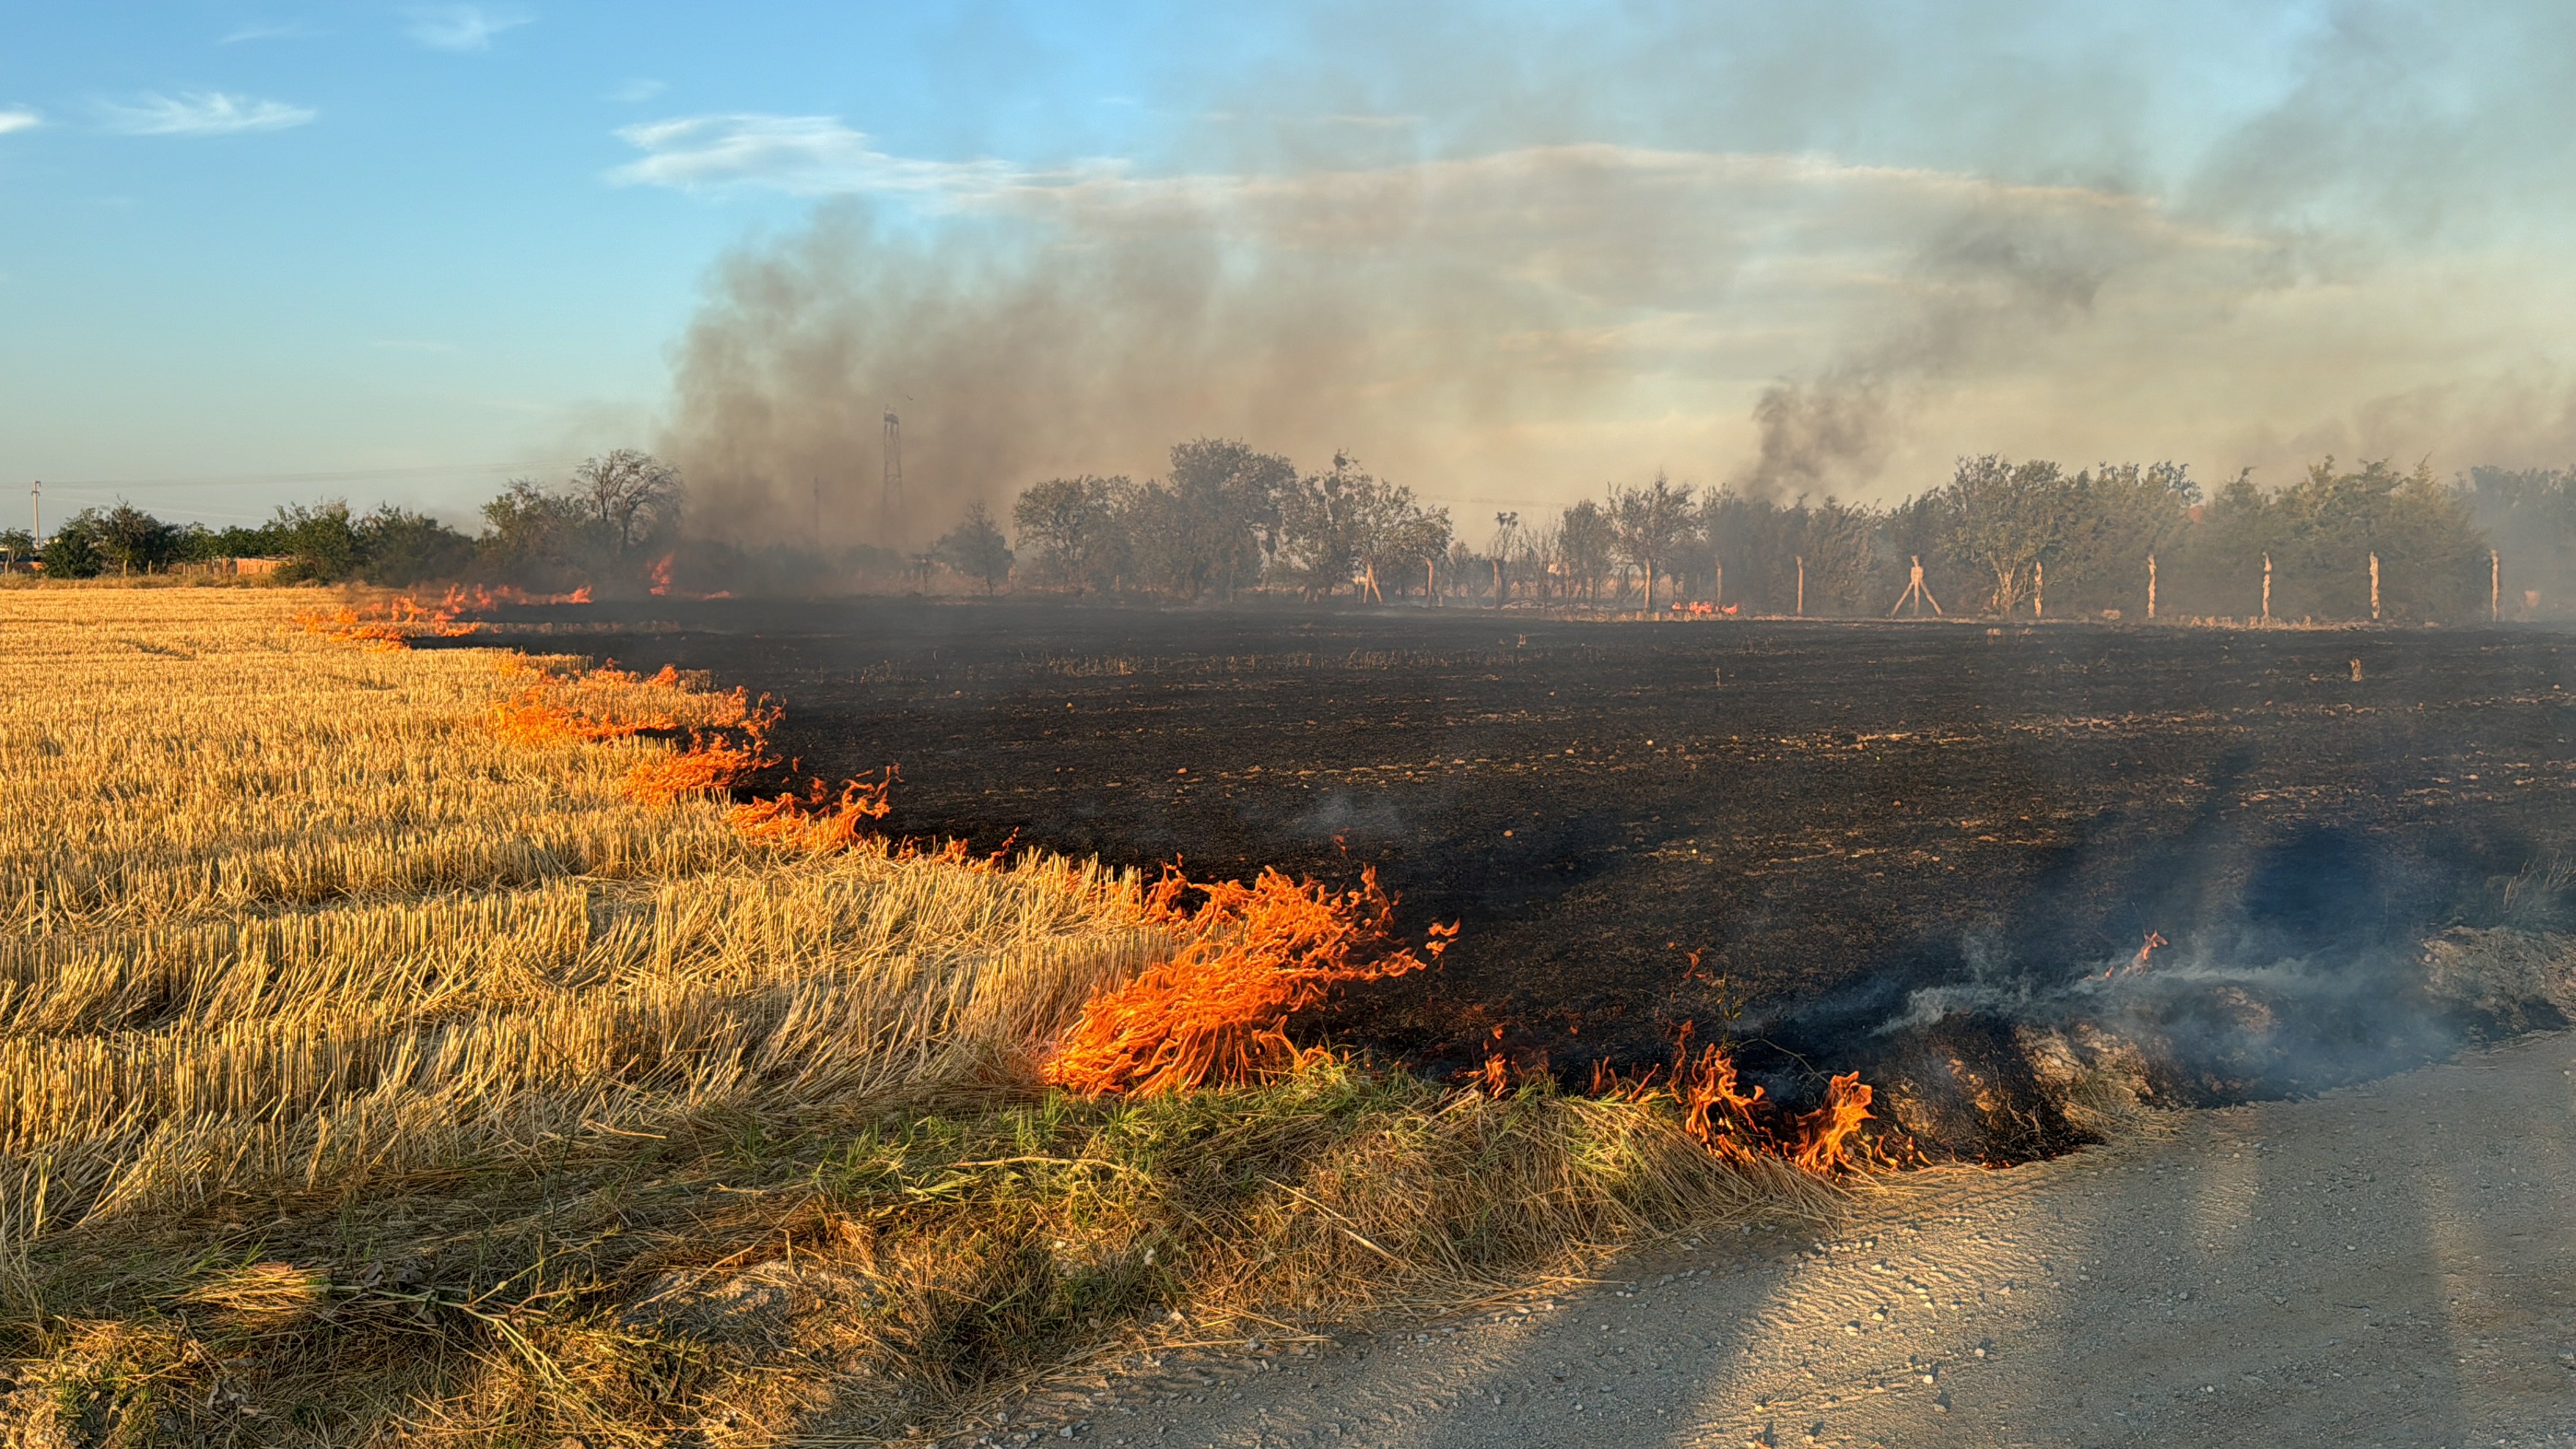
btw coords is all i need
(2390, 1264)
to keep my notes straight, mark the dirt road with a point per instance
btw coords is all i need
(2392, 1264)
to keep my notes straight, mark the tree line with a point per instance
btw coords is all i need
(613, 513)
(1225, 518)
(2002, 537)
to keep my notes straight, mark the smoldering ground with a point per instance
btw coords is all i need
(2319, 959)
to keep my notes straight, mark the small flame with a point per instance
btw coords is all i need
(2139, 962)
(817, 821)
(2148, 949)
(1826, 1136)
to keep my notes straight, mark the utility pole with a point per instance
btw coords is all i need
(36, 500)
(817, 535)
(890, 497)
(2374, 588)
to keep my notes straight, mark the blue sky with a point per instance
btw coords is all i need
(386, 237)
(1507, 252)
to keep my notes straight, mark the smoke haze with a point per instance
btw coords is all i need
(1817, 252)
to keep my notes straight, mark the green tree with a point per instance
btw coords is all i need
(17, 548)
(2117, 516)
(541, 538)
(73, 553)
(1071, 523)
(2333, 521)
(1650, 525)
(235, 541)
(631, 495)
(400, 548)
(132, 541)
(976, 548)
(2005, 517)
(1324, 525)
(2529, 515)
(320, 541)
(1585, 543)
(1398, 537)
(1211, 523)
(1839, 542)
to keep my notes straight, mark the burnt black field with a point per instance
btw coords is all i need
(1850, 845)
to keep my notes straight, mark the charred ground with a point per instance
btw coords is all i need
(1900, 848)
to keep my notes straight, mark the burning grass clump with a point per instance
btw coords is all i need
(1216, 1013)
(375, 1064)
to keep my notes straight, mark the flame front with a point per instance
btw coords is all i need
(1216, 1013)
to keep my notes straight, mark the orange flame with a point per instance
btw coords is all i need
(2148, 949)
(1740, 1126)
(1216, 1013)
(817, 822)
(662, 574)
(385, 626)
(1716, 1111)
(711, 762)
(1827, 1135)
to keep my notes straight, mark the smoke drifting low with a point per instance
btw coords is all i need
(1012, 355)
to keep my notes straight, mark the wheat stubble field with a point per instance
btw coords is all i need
(379, 1063)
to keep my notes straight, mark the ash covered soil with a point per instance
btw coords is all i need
(1912, 850)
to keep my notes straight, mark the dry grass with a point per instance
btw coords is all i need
(372, 1065)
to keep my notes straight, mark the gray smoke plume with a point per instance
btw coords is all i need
(1501, 262)
(1013, 353)
(2002, 281)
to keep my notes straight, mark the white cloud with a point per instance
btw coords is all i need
(461, 27)
(801, 155)
(202, 113)
(1605, 221)
(642, 88)
(19, 118)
